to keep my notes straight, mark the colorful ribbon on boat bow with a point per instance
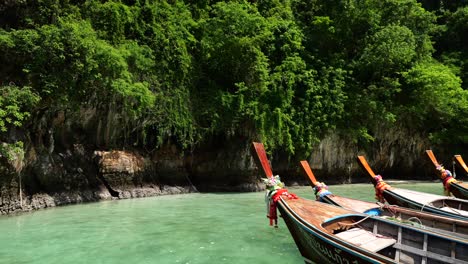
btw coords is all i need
(446, 178)
(380, 187)
(274, 192)
(320, 190)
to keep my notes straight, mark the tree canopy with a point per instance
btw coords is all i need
(284, 71)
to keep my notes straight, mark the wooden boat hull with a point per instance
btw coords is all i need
(431, 203)
(399, 197)
(330, 234)
(436, 222)
(317, 246)
(459, 190)
(326, 234)
(350, 203)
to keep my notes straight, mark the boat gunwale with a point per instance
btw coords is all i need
(417, 229)
(336, 242)
(434, 217)
(460, 187)
(428, 207)
(357, 251)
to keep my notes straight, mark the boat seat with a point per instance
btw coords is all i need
(454, 211)
(365, 239)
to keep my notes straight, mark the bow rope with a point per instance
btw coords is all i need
(446, 178)
(380, 187)
(321, 190)
(274, 193)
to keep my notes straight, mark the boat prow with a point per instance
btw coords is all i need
(436, 204)
(451, 185)
(460, 189)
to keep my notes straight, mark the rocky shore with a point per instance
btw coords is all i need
(77, 174)
(80, 175)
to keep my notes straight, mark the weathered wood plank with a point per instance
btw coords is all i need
(430, 255)
(453, 210)
(366, 239)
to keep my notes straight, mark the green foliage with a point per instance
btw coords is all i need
(437, 100)
(282, 71)
(452, 42)
(166, 29)
(388, 51)
(69, 67)
(15, 105)
(257, 78)
(28, 14)
(12, 152)
(436, 88)
(110, 19)
(235, 70)
(372, 43)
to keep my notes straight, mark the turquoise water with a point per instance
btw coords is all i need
(191, 228)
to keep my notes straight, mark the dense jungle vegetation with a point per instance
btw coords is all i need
(283, 71)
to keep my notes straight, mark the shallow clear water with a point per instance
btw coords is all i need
(191, 228)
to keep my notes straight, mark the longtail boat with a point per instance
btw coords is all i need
(431, 203)
(329, 234)
(436, 223)
(451, 185)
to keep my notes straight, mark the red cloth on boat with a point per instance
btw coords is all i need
(272, 214)
(380, 187)
(284, 192)
(447, 181)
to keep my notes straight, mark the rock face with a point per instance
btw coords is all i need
(119, 171)
(225, 167)
(81, 176)
(9, 191)
(61, 166)
(128, 175)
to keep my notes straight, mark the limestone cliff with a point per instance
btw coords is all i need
(63, 165)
